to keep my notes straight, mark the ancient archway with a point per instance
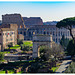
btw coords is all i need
(39, 40)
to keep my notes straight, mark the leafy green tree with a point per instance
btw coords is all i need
(55, 52)
(19, 42)
(1, 56)
(71, 48)
(45, 52)
(25, 48)
(67, 23)
(64, 41)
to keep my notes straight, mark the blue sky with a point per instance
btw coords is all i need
(48, 11)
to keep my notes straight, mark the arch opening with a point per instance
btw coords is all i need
(39, 47)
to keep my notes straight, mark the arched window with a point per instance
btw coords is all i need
(56, 40)
(44, 32)
(29, 33)
(21, 32)
(24, 33)
(47, 32)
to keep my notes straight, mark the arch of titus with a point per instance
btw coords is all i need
(39, 40)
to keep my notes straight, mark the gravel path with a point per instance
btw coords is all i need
(63, 66)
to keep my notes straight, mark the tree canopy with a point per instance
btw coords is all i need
(1, 56)
(64, 41)
(55, 52)
(70, 48)
(66, 23)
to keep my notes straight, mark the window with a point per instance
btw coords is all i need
(44, 32)
(56, 40)
(24, 33)
(53, 33)
(3, 33)
(20, 32)
(0, 33)
(11, 39)
(47, 32)
(12, 32)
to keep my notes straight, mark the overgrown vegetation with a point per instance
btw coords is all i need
(10, 45)
(11, 66)
(1, 56)
(55, 52)
(64, 42)
(46, 63)
(71, 48)
(19, 42)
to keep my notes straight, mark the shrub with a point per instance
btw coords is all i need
(1, 56)
(19, 42)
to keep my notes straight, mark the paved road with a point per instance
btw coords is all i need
(63, 66)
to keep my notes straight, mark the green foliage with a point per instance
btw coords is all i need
(19, 42)
(10, 45)
(28, 43)
(25, 48)
(54, 68)
(55, 52)
(45, 52)
(34, 67)
(64, 41)
(15, 47)
(71, 48)
(1, 56)
(66, 22)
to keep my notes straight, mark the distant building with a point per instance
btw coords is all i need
(50, 23)
(47, 30)
(27, 26)
(32, 21)
(13, 19)
(8, 33)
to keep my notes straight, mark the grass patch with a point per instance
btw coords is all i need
(5, 52)
(54, 68)
(2, 72)
(28, 43)
(2, 60)
(15, 47)
(58, 64)
(10, 72)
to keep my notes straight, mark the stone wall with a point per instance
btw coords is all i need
(39, 40)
